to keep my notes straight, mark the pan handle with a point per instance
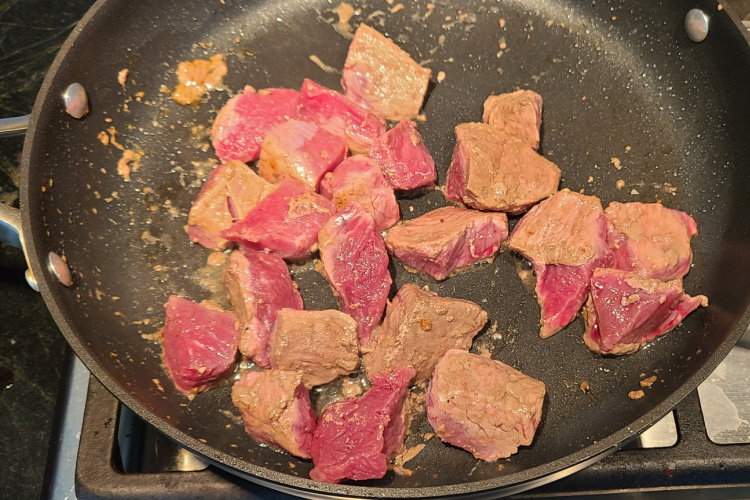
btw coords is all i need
(10, 218)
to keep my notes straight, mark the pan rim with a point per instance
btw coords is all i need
(510, 484)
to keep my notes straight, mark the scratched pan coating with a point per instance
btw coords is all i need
(620, 80)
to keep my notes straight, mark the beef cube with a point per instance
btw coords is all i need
(229, 193)
(200, 344)
(564, 238)
(245, 119)
(650, 239)
(285, 223)
(356, 437)
(518, 113)
(419, 327)
(403, 157)
(482, 405)
(360, 179)
(447, 239)
(493, 170)
(381, 76)
(356, 266)
(340, 116)
(276, 409)
(300, 151)
(625, 310)
(258, 285)
(321, 344)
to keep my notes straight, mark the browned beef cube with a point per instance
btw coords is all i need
(381, 76)
(564, 238)
(493, 170)
(360, 179)
(321, 344)
(356, 265)
(340, 116)
(200, 344)
(300, 151)
(245, 119)
(230, 192)
(625, 311)
(447, 239)
(258, 285)
(650, 239)
(356, 437)
(403, 157)
(482, 405)
(518, 113)
(419, 327)
(276, 409)
(286, 222)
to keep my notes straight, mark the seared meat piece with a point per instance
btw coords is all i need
(300, 151)
(419, 327)
(650, 239)
(340, 116)
(246, 118)
(402, 155)
(258, 285)
(230, 192)
(381, 76)
(200, 344)
(276, 409)
(493, 170)
(482, 405)
(360, 179)
(286, 222)
(564, 239)
(356, 265)
(625, 310)
(449, 238)
(356, 437)
(321, 344)
(518, 113)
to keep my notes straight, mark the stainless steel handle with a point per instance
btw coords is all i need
(14, 126)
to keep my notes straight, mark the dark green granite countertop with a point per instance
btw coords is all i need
(31, 347)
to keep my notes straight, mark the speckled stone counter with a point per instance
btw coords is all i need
(31, 347)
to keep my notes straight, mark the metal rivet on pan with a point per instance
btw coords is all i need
(59, 268)
(76, 101)
(696, 25)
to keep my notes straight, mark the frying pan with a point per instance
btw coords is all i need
(620, 80)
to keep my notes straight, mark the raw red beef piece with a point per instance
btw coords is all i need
(381, 76)
(246, 118)
(482, 405)
(276, 409)
(564, 238)
(419, 327)
(355, 437)
(360, 179)
(518, 113)
(493, 170)
(403, 157)
(449, 238)
(300, 151)
(625, 310)
(285, 223)
(650, 239)
(322, 345)
(258, 285)
(356, 265)
(230, 192)
(340, 116)
(200, 344)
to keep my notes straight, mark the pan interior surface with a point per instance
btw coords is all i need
(622, 85)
